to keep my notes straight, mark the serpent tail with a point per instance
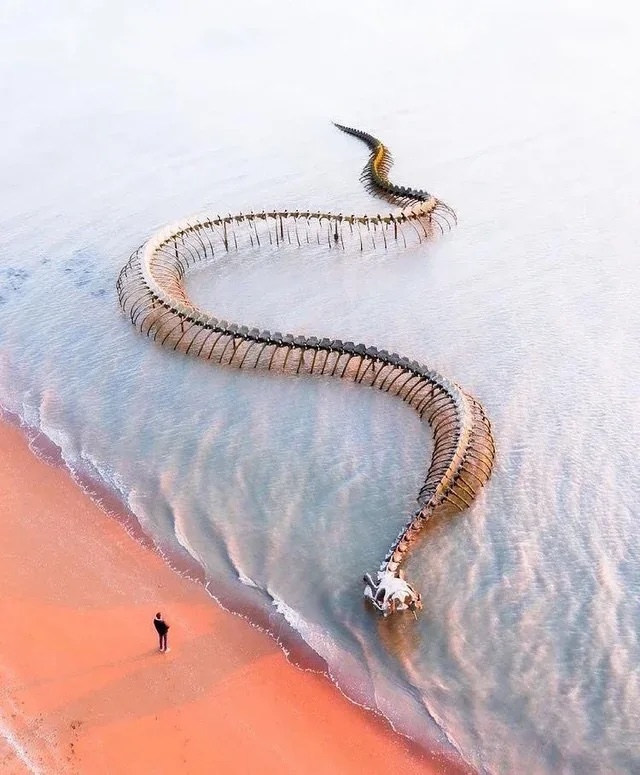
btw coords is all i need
(375, 177)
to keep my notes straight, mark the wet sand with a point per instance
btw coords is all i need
(84, 689)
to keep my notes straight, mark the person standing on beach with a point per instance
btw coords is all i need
(162, 628)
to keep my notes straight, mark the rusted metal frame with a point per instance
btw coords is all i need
(166, 272)
(186, 246)
(169, 319)
(193, 323)
(196, 230)
(130, 287)
(206, 228)
(315, 355)
(253, 223)
(450, 490)
(448, 447)
(410, 221)
(335, 365)
(441, 407)
(346, 366)
(354, 355)
(286, 357)
(187, 236)
(303, 348)
(203, 327)
(480, 481)
(424, 385)
(236, 347)
(403, 370)
(233, 335)
(179, 257)
(437, 212)
(412, 376)
(221, 333)
(482, 421)
(435, 402)
(420, 385)
(426, 404)
(262, 349)
(126, 289)
(363, 359)
(445, 452)
(461, 485)
(484, 441)
(252, 342)
(230, 220)
(295, 223)
(485, 438)
(437, 424)
(433, 219)
(383, 365)
(308, 348)
(166, 260)
(382, 229)
(452, 496)
(418, 219)
(156, 322)
(387, 362)
(146, 295)
(448, 443)
(422, 404)
(478, 457)
(173, 261)
(168, 334)
(277, 347)
(484, 464)
(327, 352)
(371, 361)
(220, 225)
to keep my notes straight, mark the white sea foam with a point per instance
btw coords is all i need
(20, 752)
(244, 579)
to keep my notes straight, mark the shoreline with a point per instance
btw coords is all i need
(84, 687)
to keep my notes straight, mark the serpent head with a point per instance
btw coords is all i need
(391, 593)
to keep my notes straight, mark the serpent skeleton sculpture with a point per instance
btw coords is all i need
(152, 294)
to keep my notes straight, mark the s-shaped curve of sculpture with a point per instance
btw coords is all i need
(152, 294)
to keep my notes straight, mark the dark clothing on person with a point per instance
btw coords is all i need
(162, 628)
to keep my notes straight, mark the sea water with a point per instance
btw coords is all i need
(119, 118)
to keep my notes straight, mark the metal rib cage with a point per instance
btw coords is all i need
(152, 295)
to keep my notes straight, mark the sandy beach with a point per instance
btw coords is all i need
(85, 689)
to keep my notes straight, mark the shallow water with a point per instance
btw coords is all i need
(525, 120)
